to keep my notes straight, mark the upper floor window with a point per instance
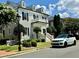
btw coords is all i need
(25, 16)
(43, 17)
(37, 16)
(34, 16)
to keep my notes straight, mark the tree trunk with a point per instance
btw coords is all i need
(3, 30)
(37, 35)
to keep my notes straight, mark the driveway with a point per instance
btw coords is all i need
(69, 52)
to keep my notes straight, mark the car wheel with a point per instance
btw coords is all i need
(74, 42)
(65, 44)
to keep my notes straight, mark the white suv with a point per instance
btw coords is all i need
(64, 40)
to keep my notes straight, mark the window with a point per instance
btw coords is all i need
(28, 31)
(45, 18)
(9, 31)
(3, 33)
(27, 17)
(42, 17)
(0, 29)
(23, 16)
(34, 16)
(37, 16)
(44, 31)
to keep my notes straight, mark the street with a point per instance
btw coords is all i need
(69, 52)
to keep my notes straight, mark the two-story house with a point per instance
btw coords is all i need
(31, 19)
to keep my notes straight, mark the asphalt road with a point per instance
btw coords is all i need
(69, 52)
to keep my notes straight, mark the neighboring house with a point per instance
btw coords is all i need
(29, 20)
(6, 31)
(50, 20)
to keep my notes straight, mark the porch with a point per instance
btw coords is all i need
(43, 26)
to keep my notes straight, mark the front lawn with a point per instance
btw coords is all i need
(15, 47)
(43, 44)
(8, 48)
(12, 48)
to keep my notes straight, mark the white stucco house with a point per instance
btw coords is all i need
(30, 19)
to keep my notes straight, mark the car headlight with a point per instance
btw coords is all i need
(61, 40)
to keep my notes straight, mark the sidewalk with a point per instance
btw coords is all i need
(5, 53)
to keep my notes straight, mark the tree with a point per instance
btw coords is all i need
(6, 15)
(37, 30)
(21, 29)
(57, 24)
(51, 29)
(71, 24)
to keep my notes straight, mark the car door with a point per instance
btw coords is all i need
(70, 39)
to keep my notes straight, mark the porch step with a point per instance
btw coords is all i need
(49, 37)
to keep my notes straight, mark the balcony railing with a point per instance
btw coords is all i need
(40, 20)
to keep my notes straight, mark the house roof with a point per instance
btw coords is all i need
(30, 9)
(17, 5)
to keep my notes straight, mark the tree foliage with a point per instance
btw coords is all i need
(51, 29)
(74, 20)
(37, 30)
(6, 14)
(21, 29)
(71, 24)
(57, 24)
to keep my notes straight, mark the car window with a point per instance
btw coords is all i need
(62, 36)
(71, 36)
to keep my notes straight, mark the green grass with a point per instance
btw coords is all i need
(8, 48)
(15, 47)
(43, 44)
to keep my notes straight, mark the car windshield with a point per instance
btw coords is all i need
(62, 36)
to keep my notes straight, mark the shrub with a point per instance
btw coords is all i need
(29, 40)
(26, 43)
(42, 40)
(38, 40)
(3, 41)
(34, 43)
(29, 43)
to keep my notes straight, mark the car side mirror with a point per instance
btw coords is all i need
(68, 37)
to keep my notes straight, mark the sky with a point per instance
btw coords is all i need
(65, 8)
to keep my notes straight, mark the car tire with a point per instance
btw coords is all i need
(65, 44)
(74, 42)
